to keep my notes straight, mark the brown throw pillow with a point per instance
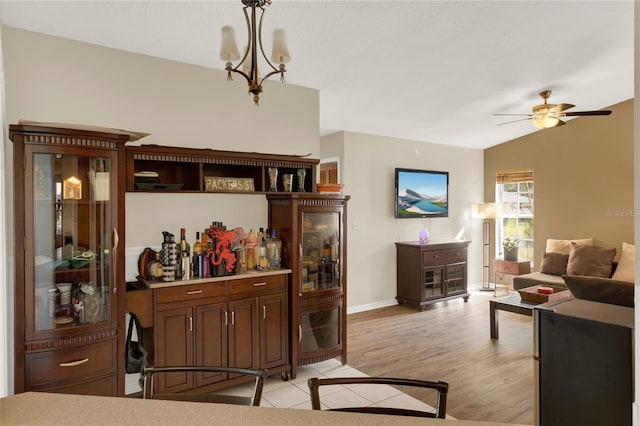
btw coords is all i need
(592, 261)
(603, 290)
(554, 263)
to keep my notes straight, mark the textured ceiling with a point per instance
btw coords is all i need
(432, 71)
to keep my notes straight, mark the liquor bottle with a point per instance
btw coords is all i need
(204, 242)
(274, 246)
(326, 251)
(252, 246)
(334, 247)
(263, 261)
(241, 255)
(195, 259)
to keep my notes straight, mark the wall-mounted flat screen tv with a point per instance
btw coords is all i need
(421, 193)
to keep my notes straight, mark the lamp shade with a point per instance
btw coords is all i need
(228, 46)
(545, 121)
(485, 210)
(280, 52)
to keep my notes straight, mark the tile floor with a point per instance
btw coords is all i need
(295, 393)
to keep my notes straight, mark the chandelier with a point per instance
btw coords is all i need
(248, 65)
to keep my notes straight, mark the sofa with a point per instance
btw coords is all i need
(588, 271)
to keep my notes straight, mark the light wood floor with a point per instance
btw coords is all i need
(489, 380)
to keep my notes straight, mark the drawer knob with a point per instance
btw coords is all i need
(74, 363)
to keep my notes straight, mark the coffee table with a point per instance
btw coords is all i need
(513, 303)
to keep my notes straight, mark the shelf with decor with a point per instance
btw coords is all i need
(155, 168)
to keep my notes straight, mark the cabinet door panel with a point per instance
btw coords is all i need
(456, 279)
(70, 223)
(273, 330)
(433, 283)
(211, 341)
(174, 347)
(321, 328)
(243, 333)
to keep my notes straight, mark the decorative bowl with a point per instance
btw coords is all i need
(329, 188)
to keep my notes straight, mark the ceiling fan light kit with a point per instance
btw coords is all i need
(248, 65)
(548, 115)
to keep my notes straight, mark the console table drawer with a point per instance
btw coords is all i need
(434, 257)
(56, 367)
(456, 255)
(190, 292)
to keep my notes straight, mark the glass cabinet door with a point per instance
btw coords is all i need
(320, 329)
(320, 251)
(72, 234)
(434, 282)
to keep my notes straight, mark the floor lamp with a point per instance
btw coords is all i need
(487, 212)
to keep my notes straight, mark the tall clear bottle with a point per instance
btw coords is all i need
(185, 256)
(241, 255)
(274, 246)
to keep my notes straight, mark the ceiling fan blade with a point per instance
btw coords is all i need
(577, 113)
(560, 123)
(514, 121)
(562, 107)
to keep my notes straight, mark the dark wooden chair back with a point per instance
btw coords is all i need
(442, 388)
(259, 374)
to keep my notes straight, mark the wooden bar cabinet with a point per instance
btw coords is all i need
(312, 228)
(69, 282)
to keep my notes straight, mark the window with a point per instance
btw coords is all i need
(514, 190)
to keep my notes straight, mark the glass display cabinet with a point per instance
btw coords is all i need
(313, 233)
(69, 216)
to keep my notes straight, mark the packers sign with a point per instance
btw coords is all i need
(228, 184)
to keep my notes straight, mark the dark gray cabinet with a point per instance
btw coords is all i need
(431, 272)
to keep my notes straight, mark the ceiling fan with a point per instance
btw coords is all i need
(547, 115)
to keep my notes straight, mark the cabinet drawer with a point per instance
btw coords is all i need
(190, 292)
(513, 267)
(56, 367)
(105, 386)
(258, 284)
(456, 255)
(434, 257)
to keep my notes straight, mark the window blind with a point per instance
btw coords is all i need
(514, 176)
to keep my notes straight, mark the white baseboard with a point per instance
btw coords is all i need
(370, 306)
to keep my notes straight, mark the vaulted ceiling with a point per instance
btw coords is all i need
(432, 71)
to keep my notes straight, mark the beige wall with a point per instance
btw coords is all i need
(368, 164)
(60, 80)
(583, 174)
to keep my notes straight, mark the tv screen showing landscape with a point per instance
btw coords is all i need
(421, 193)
